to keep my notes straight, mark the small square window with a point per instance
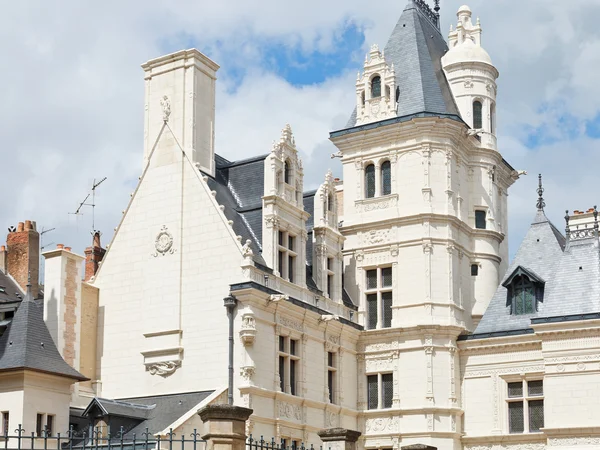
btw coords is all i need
(386, 277)
(474, 270)
(372, 279)
(515, 389)
(535, 388)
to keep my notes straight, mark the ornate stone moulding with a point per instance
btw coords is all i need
(373, 204)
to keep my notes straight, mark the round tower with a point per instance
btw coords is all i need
(472, 77)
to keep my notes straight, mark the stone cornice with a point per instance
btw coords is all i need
(500, 345)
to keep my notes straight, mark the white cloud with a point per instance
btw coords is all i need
(73, 93)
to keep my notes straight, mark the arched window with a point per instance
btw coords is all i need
(386, 178)
(376, 87)
(493, 118)
(286, 172)
(370, 181)
(522, 292)
(477, 114)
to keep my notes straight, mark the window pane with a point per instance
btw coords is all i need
(474, 270)
(376, 87)
(5, 418)
(371, 279)
(535, 388)
(386, 178)
(282, 373)
(280, 238)
(515, 389)
(286, 171)
(387, 389)
(330, 360)
(536, 415)
(293, 346)
(386, 277)
(291, 243)
(516, 417)
(49, 424)
(372, 392)
(330, 374)
(518, 295)
(480, 219)
(280, 263)
(293, 376)
(330, 286)
(371, 311)
(291, 268)
(386, 305)
(477, 114)
(528, 300)
(370, 181)
(38, 425)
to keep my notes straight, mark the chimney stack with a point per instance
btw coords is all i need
(93, 256)
(3, 253)
(23, 255)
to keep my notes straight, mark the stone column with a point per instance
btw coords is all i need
(339, 438)
(226, 426)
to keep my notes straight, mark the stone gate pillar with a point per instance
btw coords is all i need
(339, 438)
(226, 425)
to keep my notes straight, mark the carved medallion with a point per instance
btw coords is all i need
(163, 242)
(164, 369)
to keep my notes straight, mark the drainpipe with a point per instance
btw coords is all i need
(230, 303)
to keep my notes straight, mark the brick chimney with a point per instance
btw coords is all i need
(93, 256)
(23, 255)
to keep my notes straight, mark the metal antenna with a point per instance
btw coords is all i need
(42, 233)
(93, 204)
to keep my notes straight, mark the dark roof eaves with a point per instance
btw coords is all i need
(566, 318)
(495, 334)
(241, 162)
(47, 372)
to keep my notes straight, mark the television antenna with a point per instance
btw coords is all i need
(42, 233)
(93, 204)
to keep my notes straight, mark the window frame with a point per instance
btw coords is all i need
(525, 398)
(287, 258)
(380, 388)
(379, 291)
(332, 372)
(372, 85)
(288, 357)
(484, 212)
(480, 123)
(5, 416)
(386, 188)
(367, 192)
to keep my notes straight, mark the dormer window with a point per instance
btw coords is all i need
(477, 115)
(376, 87)
(524, 291)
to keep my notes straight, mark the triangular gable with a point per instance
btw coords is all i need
(520, 270)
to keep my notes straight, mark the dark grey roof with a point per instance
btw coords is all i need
(121, 408)
(571, 273)
(415, 48)
(27, 344)
(10, 291)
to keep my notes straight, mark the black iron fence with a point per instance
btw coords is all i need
(278, 444)
(96, 439)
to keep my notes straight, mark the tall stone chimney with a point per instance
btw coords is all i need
(3, 254)
(23, 255)
(93, 256)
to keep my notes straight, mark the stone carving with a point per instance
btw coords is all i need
(247, 372)
(377, 203)
(278, 297)
(248, 330)
(164, 369)
(291, 324)
(569, 441)
(289, 411)
(333, 339)
(374, 237)
(378, 365)
(163, 242)
(429, 422)
(272, 222)
(331, 419)
(484, 373)
(165, 103)
(328, 318)
(247, 250)
(525, 446)
(469, 84)
(382, 424)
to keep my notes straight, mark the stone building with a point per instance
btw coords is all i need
(382, 303)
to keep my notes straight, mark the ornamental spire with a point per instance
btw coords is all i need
(540, 190)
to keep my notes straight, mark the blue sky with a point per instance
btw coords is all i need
(74, 110)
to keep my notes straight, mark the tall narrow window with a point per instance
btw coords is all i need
(372, 392)
(480, 219)
(288, 364)
(49, 424)
(5, 423)
(525, 406)
(477, 114)
(387, 389)
(386, 178)
(379, 298)
(286, 172)
(362, 97)
(39, 425)
(331, 375)
(370, 181)
(330, 202)
(493, 118)
(287, 256)
(523, 295)
(376, 87)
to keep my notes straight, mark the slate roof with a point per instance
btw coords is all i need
(27, 344)
(415, 48)
(155, 413)
(10, 291)
(571, 272)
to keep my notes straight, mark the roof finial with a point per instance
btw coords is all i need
(595, 220)
(540, 191)
(567, 230)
